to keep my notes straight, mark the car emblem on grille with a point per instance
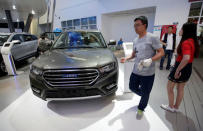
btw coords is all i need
(71, 75)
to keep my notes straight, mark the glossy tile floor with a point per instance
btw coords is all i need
(13, 87)
(20, 110)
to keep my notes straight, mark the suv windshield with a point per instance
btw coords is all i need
(52, 35)
(3, 38)
(79, 39)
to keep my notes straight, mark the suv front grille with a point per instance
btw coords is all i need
(70, 77)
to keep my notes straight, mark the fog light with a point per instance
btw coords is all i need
(36, 90)
(110, 86)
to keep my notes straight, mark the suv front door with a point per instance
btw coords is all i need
(18, 50)
(29, 44)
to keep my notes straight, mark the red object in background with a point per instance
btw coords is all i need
(194, 0)
(164, 29)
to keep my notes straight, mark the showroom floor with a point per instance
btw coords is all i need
(21, 110)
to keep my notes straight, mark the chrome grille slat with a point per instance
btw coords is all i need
(69, 85)
(66, 78)
(54, 75)
(70, 77)
(67, 82)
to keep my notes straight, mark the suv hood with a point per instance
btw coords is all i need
(74, 58)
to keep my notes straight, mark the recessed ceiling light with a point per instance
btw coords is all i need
(4, 18)
(14, 7)
(17, 20)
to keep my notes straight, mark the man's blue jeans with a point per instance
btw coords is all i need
(168, 53)
(142, 86)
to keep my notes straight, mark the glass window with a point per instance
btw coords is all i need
(80, 39)
(71, 28)
(63, 23)
(92, 26)
(18, 37)
(27, 37)
(201, 20)
(34, 37)
(69, 23)
(76, 22)
(92, 20)
(202, 11)
(77, 27)
(3, 38)
(193, 20)
(84, 21)
(195, 9)
(84, 27)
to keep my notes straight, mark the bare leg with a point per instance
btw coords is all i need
(170, 87)
(180, 94)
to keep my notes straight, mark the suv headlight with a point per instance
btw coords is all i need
(107, 68)
(35, 70)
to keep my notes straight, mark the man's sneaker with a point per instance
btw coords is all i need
(167, 107)
(176, 110)
(139, 114)
(161, 68)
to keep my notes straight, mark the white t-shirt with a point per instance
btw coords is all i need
(145, 48)
(169, 41)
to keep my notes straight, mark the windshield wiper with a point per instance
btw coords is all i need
(86, 47)
(90, 47)
(77, 47)
(60, 48)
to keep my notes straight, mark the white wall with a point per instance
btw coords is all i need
(122, 26)
(6, 30)
(167, 11)
(72, 9)
(43, 19)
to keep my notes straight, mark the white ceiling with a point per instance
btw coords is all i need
(23, 8)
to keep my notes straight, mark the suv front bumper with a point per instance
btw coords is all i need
(105, 84)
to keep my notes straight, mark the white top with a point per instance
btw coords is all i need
(169, 41)
(145, 48)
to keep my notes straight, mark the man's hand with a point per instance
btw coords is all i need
(164, 44)
(123, 60)
(147, 62)
(140, 65)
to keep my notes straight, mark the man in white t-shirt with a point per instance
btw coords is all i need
(169, 43)
(147, 49)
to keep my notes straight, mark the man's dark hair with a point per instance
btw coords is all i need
(170, 27)
(143, 19)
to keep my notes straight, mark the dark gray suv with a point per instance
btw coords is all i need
(79, 65)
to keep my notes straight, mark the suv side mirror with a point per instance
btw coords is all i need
(112, 42)
(16, 41)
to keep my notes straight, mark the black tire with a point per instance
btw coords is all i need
(3, 70)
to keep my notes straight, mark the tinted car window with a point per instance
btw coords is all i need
(34, 37)
(27, 37)
(3, 38)
(18, 37)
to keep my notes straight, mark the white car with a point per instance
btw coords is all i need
(26, 48)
